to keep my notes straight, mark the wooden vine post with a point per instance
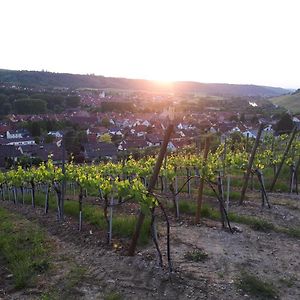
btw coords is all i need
(151, 186)
(250, 163)
(63, 184)
(201, 185)
(296, 175)
(286, 151)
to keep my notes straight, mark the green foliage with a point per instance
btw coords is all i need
(49, 139)
(72, 101)
(74, 140)
(285, 124)
(13, 100)
(30, 106)
(27, 162)
(117, 106)
(34, 128)
(105, 122)
(5, 106)
(253, 285)
(106, 138)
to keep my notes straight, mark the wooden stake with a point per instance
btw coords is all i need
(250, 163)
(201, 186)
(286, 151)
(151, 186)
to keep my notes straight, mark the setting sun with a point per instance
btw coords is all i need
(163, 83)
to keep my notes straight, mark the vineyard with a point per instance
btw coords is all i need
(193, 205)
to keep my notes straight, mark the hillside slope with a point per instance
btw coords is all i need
(48, 79)
(290, 102)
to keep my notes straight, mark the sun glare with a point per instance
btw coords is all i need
(166, 85)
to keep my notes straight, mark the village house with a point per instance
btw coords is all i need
(8, 154)
(97, 151)
(20, 141)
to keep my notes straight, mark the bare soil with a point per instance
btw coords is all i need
(83, 267)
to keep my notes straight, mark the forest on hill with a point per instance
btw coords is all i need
(64, 80)
(290, 102)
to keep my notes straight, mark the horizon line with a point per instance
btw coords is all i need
(146, 79)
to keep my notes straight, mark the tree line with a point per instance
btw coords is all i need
(14, 101)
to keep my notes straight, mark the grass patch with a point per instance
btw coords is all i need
(24, 247)
(187, 207)
(113, 296)
(233, 195)
(262, 225)
(254, 223)
(51, 295)
(288, 282)
(292, 232)
(123, 226)
(75, 276)
(280, 186)
(207, 211)
(69, 286)
(198, 255)
(254, 286)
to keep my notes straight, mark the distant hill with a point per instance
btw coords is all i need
(290, 102)
(63, 80)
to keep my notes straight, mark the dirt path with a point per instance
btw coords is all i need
(85, 268)
(105, 271)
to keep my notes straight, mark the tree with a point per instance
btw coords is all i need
(106, 138)
(116, 139)
(285, 124)
(6, 109)
(254, 119)
(74, 140)
(35, 129)
(3, 99)
(242, 117)
(49, 139)
(30, 106)
(105, 122)
(72, 101)
(37, 140)
(234, 118)
(71, 143)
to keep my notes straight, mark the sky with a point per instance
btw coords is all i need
(218, 41)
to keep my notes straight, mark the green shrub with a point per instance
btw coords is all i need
(253, 285)
(196, 255)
